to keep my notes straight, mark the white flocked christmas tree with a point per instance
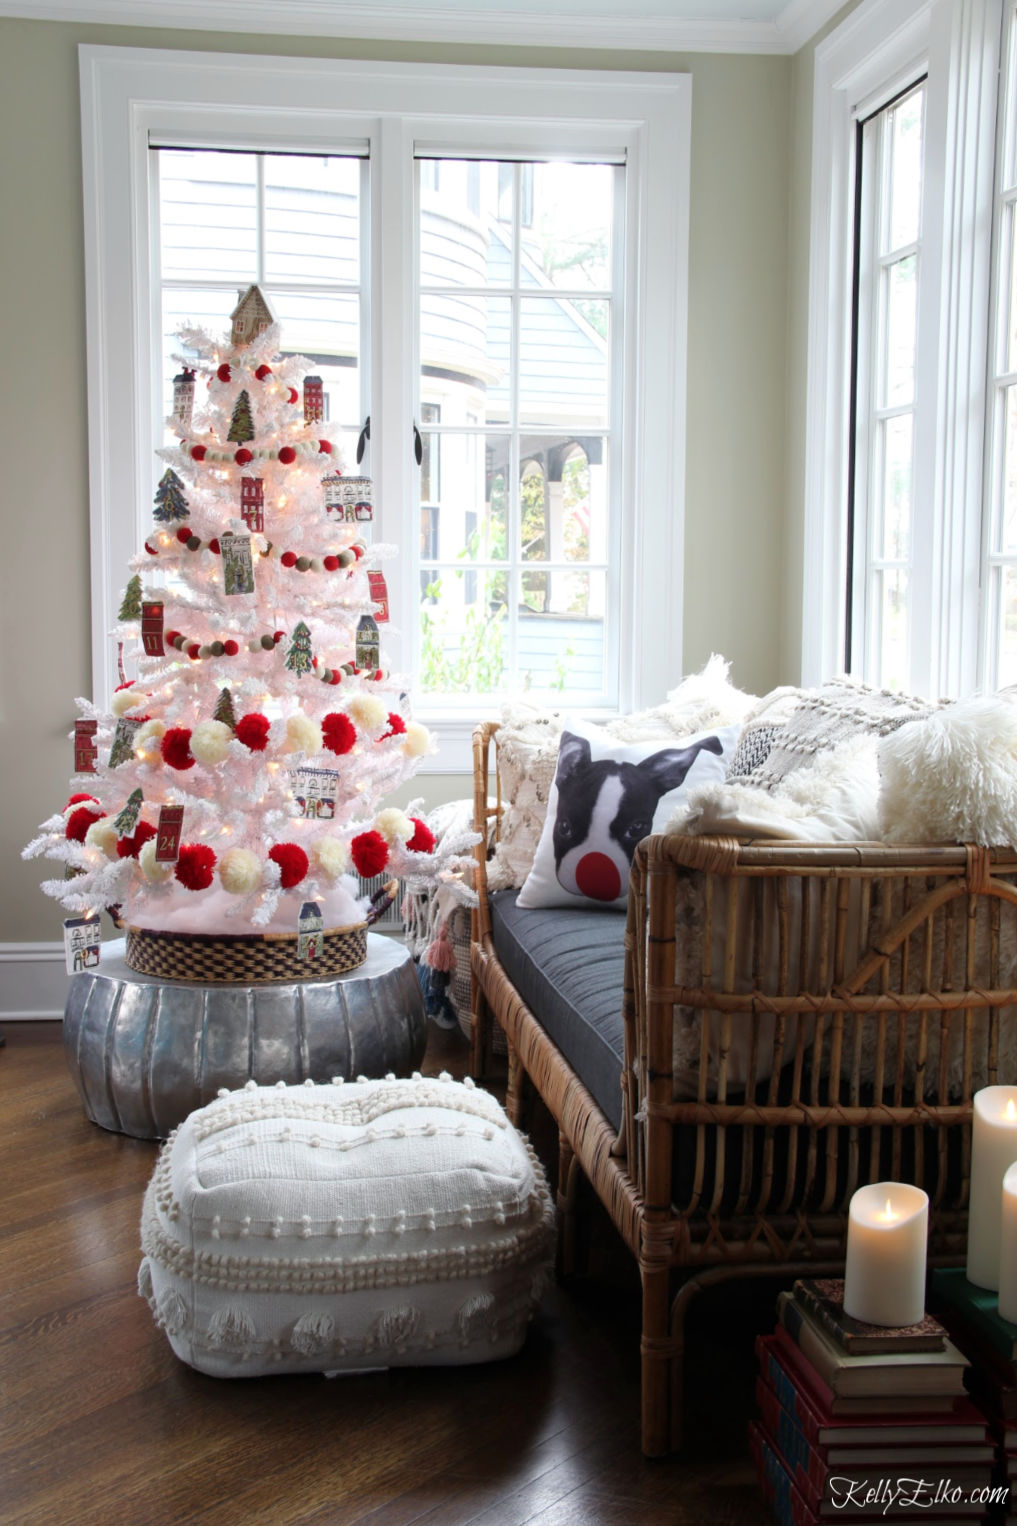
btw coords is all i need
(260, 703)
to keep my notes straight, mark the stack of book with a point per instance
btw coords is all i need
(990, 1343)
(865, 1423)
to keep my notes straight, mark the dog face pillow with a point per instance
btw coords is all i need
(606, 797)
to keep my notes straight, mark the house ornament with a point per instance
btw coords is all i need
(251, 316)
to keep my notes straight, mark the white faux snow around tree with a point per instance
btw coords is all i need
(260, 707)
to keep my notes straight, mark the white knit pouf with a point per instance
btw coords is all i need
(334, 1228)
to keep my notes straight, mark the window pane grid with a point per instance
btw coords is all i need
(496, 260)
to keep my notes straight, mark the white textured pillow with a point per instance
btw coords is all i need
(836, 800)
(953, 776)
(605, 798)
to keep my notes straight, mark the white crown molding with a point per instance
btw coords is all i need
(794, 24)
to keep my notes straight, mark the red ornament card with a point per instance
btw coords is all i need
(85, 750)
(168, 834)
(151, 628)
(379, 594)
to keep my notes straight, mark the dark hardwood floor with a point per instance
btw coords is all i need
(100, 1425)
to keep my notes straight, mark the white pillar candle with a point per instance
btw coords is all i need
(884, 1278)
(993, 1150)
(1008, 1248)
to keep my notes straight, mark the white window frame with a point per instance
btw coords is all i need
(882, 46)
(132, 96)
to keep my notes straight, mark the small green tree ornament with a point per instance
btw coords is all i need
(224, 710)
(130, 607)
(242, 424)
(170, 501)
(298, 658)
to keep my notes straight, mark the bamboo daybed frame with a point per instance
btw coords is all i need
(893, 973)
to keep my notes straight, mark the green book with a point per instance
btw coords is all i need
(974, 1307)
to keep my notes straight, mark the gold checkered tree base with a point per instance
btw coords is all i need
(249, 959)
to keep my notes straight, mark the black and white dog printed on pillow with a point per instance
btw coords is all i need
(607, 796)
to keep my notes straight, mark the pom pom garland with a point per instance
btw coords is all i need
(332, 857)
(240, 871)
(370, 854)
(79, 821)
(292, 861)
(78, 798)
(422, 840)
(253, 731)
(302, 734)
(417, 741)
(338, 732)
(154, 871)
(368, 712)
(210, 742)
(393, 825)
(176, 748)
(130, 847)
(102, 834)
(195, 866)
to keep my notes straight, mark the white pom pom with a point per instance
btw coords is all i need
(240, 871)
(103, 835)
(369, 713)
(332, 856)
(154, 872)
(127, 699)
(394, 825)
(147, 739)
(302, 734)
(417, 742)
(210, 742)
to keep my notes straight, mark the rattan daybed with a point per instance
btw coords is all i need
(752, 974)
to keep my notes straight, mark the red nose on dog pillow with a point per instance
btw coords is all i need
(606, 797)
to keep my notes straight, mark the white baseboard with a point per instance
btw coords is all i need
(33, 982)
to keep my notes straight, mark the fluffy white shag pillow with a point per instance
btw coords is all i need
(953, 776)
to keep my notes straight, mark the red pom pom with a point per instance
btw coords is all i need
(292, 861)
(325, 447)
(293, 395)
(242, 456)
(195, 863)
(330, 563)
(287, 455)
(194, 651)
(337, 676)
(262, 372)
(223, 372)
(130, 847)
(338, 732)
(289, 558)
(214, 546)
(151, 549)
(357, 549)
(253, 730)
(422, 840)
(79, 821)
(176, 747)
(277, 636)
(230, 648)
(183, 535)
(370, 854)
(76, 799)
(396, 727)
(197, 452)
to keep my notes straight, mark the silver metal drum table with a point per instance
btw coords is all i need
(145, 1052)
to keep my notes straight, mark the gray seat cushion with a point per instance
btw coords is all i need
(568, 965)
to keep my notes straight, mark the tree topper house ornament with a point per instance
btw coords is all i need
(251, 317)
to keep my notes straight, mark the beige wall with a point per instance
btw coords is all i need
(738, 599)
